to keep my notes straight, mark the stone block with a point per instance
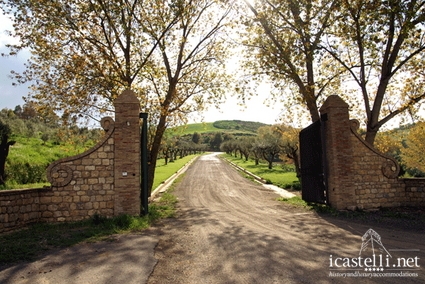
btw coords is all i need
(91, 181)
(57, 199)
(52, 207)
(45, 200)
(85, 198)
(47, 214)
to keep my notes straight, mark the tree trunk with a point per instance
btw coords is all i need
(4, 152)
(370, 136)
(270, 165)
(153, 153)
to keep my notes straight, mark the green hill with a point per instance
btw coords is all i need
(238, 125)
(227, 126)
(205, 127)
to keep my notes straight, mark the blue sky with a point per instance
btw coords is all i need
(11, 96)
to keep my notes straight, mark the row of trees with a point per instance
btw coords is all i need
(270, 144)
(173, 54)
(175, 145)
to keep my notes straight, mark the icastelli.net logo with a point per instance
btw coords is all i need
(374, 260)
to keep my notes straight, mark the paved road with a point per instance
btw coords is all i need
(231, 230)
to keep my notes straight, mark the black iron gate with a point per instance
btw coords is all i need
(144, 165)
(313, 183)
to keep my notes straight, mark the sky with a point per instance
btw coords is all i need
(11, 96)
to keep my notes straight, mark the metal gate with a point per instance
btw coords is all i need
(313, 183)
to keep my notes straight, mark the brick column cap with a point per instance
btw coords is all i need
(333, 101)
(127, 97)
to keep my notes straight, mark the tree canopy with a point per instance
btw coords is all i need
(85, 53)
(381, 45)
(284, 39)
(315, 48)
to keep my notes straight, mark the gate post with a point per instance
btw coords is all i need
(341, 189)
(127, 154)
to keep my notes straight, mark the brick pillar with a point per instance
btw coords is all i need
(127, 154)
(341, 191)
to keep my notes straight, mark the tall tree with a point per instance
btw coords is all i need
(381, 44)
(85, 53)
(188, 66)
(284, 44)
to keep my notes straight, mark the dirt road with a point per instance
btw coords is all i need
(231, 230)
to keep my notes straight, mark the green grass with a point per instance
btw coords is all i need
(163, 172)
(29, 243)
(10, 185)
(277, 176)
(29, 157)
(33, 150)
(298, 202)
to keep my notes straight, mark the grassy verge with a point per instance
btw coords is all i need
(277, 176)
(298, 202)
(29, 243)
(163, 172)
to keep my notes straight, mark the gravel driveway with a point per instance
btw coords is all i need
(232, 230)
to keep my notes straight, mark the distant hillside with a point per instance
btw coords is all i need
(239, 125)
(205, 127)
(227, 126)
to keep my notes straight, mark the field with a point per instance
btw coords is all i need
(278, 175)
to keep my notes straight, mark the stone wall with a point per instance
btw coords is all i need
(19, 207)
(100, 181)
(82, 185)
(359, 176)
(415, 190)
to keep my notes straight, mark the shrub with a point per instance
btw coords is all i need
(24, 173)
